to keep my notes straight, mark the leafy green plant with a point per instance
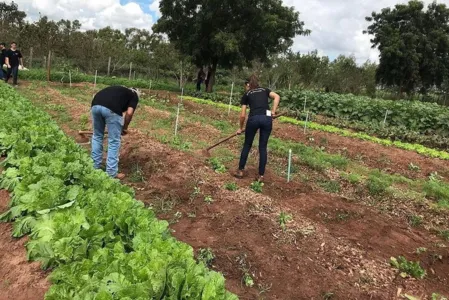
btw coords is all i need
(408, 268)
(330, 186)
(352, 178)
(436, 296)
(196, 192)
(206, 256)
(421, 250)
(231, 186)
(284, 218)
(217, 165)
(248, 280)
(444, 234)
(257, 186)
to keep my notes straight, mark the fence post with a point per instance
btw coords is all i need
(31, 58)
(109, 66)
(70, 78)
(134, 78)
(95, 80)
(289, 164)
(130, 70)
(230, 99)
(49, 65)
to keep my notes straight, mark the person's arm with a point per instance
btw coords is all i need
(276, 101)
(7, 62)
(242, 119)
(128, 117)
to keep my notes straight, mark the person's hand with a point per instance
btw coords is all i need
(8, 66)
(273, 114)
(239, 131)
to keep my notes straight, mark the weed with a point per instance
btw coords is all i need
(208, 199)
(221, 125)
(257, 186)
(231, 186)
(378, 183)
(343, 216)
(352, 178)
(436, 296)
(179, 144)
(176, 217)
(263, 288)
(136, 174)
(217, 165)
(284, 219)
(165, 204)
(55, 107)
(248, 280)
(328, 295)
(330, 186)
(191, 215)
(437, 189)
(444, 234)
(196, 192)
(408, 268)
(84, 120)
(421, 250)
(324, 141)
(415, 220)
(413, 167)
(206, 256)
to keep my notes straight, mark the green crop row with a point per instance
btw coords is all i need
(425, 118)
(343, 132)
(98, 240)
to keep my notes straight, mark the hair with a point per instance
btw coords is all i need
(13, 43)
(3, 44)
(253, 82)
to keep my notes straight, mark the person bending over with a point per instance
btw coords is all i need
(113, 107)
(260, 119)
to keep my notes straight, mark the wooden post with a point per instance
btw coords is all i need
(134, 78)
(95, 80)
(130, 70)
(49, 66)
(109, 66)
(31, 58)
(44, 65)
(180, 81)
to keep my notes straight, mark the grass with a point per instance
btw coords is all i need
(378, 183)
(352, 178)
(136, 175)
(330, 186)
(257, 186)
(231, 186)
(415, 220)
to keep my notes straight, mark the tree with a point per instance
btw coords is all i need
(228, 33)
(413, 45)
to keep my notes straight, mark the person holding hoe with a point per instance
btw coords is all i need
(260, 119)
(113, 107)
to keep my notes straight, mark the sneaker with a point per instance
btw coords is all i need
(120, 176)
(239, 174)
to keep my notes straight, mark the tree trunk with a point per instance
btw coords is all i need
(212, 71)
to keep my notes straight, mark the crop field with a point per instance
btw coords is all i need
(363, 217)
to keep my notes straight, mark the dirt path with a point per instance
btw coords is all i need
(19, 279)
(332, 249)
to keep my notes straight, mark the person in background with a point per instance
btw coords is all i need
(260, 118)
(199, 79)
(13, 60)
(113, 107)
(2, 60)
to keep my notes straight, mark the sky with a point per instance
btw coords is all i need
(337, 25)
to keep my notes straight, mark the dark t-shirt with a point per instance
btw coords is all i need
(257, 100)
(116, 98)
(2, 57)
(13, 57)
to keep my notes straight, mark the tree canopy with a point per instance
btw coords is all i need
(413, 44)
(229, 33)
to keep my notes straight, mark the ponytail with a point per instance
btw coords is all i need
(253, 82)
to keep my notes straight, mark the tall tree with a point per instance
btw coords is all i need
(413, 45)
(228, 33)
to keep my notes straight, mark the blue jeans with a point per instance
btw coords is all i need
(265, 125)
(103, 117)
(14, 71)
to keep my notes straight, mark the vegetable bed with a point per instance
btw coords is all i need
(98, 240)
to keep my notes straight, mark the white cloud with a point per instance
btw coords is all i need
(92, 14)
(336, 25)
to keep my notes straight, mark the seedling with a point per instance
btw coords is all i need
(217, 165)
(137, 174)
(408, 268)
(421, 250)
(196, 192)
(248, 280)
(284, 219)
(208, 199)
(414, 220)
(231, 186)
(257, 186)
(413, 167)
(206, 256)
(328, 296)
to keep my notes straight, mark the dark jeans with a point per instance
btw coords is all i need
(14, 71)
(2, 74)
(265, 125)
(198, 85)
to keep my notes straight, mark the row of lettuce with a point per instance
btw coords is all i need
(99, 242)
(406, 121)
(429, 152)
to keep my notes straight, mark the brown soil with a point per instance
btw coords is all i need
(19, 279)
(332, 249)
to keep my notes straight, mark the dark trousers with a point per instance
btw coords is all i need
(255, 123)
(198, 85)
(14, 71)
(2, 74)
